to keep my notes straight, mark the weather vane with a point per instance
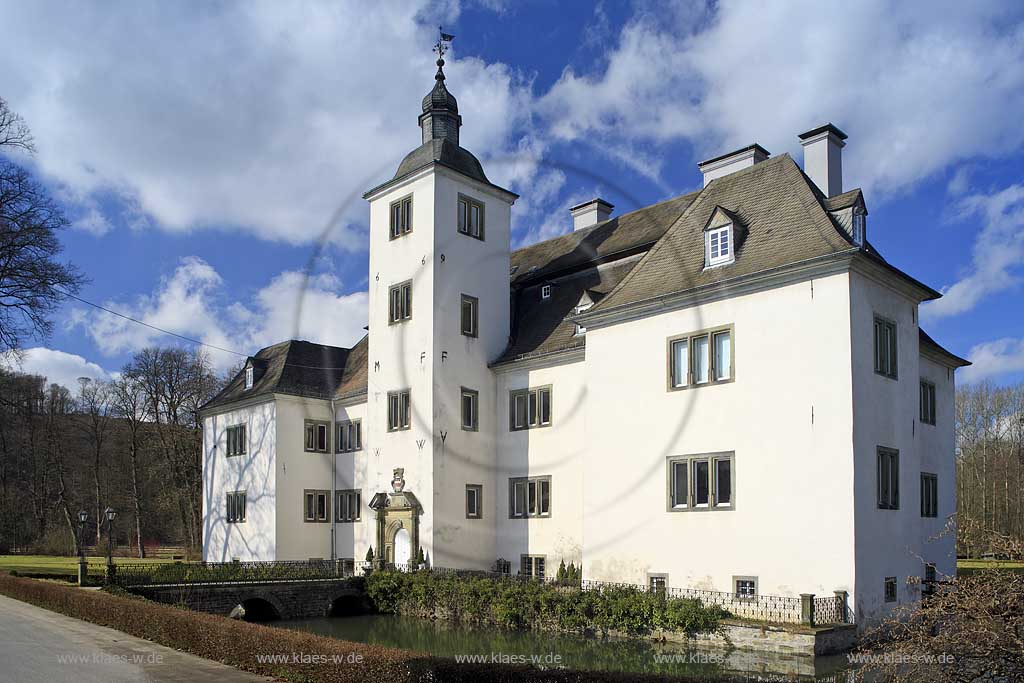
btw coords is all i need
(442, 43)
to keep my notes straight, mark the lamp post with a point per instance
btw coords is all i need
(83, 568)
(111, 516)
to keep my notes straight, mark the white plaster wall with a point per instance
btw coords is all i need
(936, 450)
(254, 473)
(353, 539)
(895, 542)
(562, 451)
(404, 350)
(478, 268)
(792, 526)
(298, 470)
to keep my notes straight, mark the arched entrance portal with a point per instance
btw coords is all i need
(403, 547)
(398, 523)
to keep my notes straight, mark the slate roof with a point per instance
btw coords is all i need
(785, 224)
(619, 236)
(298, 368)
(541, 326)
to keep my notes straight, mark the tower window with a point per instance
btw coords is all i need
(398, 410)
(470, 315)
(401, 217)
(400, 302)
(471, 217)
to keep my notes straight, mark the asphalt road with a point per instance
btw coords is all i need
(39, 646)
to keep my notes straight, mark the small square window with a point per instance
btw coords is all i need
(657, 584)
(545, 292)
(890, 589)
(746, 587)
(531, 565)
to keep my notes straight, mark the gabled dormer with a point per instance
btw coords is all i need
(252, 371)
(850, 214)
(723, 234)
(588, 299)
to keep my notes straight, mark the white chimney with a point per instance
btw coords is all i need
(823, 158)
(732, 162)
(590, 213)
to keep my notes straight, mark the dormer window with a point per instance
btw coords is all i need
(721, 238)
(248, 377)
(859, 226)
(719, 246)
(545, 292)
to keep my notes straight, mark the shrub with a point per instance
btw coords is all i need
(525, 604)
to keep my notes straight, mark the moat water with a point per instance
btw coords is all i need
(553, 650)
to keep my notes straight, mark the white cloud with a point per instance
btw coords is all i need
(263, 116)
(193, 303)
(915, 89)
(990, 359)
(57, 366)
(997, 256)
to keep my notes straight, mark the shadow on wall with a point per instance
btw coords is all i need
(252, 539)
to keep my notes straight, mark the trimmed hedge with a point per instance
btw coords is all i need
(238, 643)
(522, 604)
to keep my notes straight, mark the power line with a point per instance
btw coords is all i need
(153, 327)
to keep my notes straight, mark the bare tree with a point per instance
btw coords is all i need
(130, 404)
(32, 281)
(93, 419)
(177, 382)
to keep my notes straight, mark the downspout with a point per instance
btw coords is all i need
(334, 482)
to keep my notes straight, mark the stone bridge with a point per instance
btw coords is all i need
(292, 599)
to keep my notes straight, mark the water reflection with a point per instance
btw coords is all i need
(576, 652)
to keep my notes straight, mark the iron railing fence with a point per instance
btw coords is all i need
(144, 574)
(806, 609)
(771, 608)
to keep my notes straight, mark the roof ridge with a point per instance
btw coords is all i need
(590, 228)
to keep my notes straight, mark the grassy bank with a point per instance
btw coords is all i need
(968, 567)
(244, 645)
(59, 566)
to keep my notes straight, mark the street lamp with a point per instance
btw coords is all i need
(83, 568)
(111, 516)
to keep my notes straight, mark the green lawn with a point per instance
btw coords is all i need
(61, 566)
(965, 567)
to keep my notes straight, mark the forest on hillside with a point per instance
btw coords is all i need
(131, 443)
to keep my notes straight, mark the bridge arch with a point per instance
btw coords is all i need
(262, 607)
(347, 603)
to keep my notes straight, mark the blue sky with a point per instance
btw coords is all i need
(209, 154)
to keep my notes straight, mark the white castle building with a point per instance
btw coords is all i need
(727, 390)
